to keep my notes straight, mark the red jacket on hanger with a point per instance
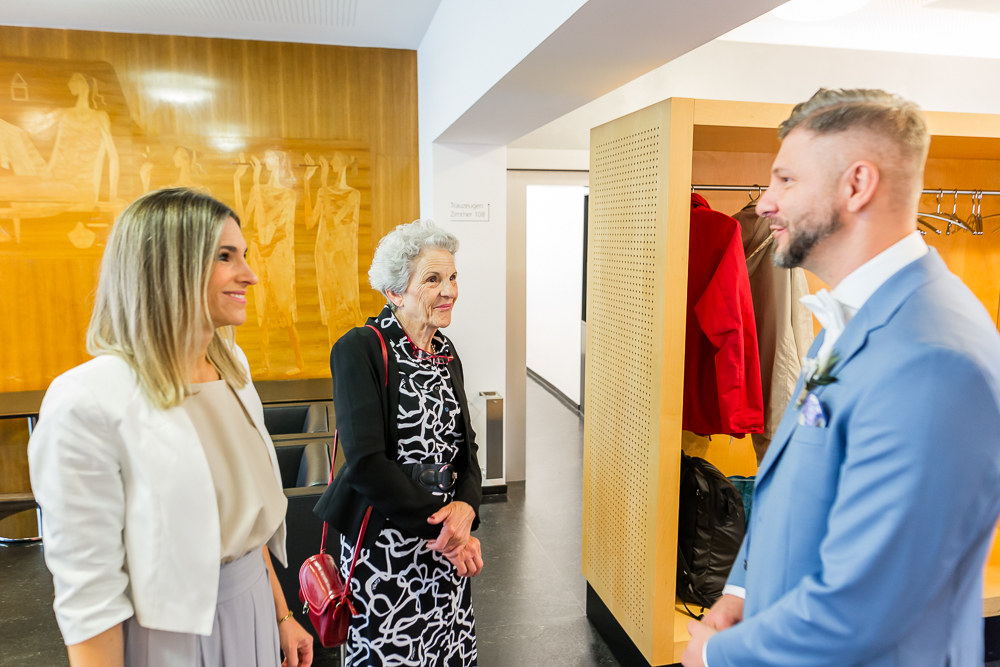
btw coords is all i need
(721, 366)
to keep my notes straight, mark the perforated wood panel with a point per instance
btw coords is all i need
(636, 291)
(620, 407)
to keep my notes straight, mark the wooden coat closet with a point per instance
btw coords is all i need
(642, 167)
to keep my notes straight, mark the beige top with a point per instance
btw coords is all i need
(251, 502)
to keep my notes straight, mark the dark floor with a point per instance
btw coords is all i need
(529, 600)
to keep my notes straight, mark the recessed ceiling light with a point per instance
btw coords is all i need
(804, 11)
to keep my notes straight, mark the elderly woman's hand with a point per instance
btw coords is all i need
(468, 561)
(457, 518)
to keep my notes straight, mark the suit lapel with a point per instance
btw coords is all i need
(788, 421)
(876, 312)
(847, 346)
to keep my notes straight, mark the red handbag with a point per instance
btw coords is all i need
(325, 595)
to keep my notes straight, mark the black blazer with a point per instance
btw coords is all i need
(366, 421)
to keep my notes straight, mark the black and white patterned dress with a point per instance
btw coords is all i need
(413, 609)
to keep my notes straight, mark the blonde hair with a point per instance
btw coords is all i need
(151, 304)
(889, 116)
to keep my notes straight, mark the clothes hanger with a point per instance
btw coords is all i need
(921, 221)
(938, 215)
(951, 219)
(975, 219)
(955, 220)
(987, 217)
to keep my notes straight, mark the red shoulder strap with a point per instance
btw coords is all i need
(385, 354)
(333, 460)
(354, 560)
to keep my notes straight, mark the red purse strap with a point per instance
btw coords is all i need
(385, 354)
(357, 550)
(333, 460)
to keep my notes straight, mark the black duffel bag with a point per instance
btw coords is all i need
(710, 531)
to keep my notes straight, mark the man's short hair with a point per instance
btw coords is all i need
(889, 116)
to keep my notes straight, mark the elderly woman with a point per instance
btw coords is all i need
(410, 454)
(159, 485)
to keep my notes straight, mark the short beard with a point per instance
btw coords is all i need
(801, 243)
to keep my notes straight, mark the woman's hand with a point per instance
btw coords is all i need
(468, 561)
(457, 518)
(296, 644)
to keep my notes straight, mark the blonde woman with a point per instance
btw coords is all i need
(158, 483)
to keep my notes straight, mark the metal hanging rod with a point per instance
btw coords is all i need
(934, 191)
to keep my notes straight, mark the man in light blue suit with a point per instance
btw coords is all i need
(875, 504)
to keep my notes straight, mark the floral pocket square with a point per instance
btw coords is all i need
(812, 413)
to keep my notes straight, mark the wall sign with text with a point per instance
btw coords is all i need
(468, 212)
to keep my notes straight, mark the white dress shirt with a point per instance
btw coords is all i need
(835, 309)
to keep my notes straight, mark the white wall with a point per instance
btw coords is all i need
(530, 159)
(740, 71)
(468, 47)
(518, 181)
(469, 174)
(554, 299)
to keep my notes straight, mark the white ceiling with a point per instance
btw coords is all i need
(968, 28)
(604, 44)
(395, 24)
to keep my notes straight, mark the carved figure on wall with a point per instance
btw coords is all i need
(269, 225)
(18, 88)
(186, 161)
(337, 210)
(81, 237)
(71, 179)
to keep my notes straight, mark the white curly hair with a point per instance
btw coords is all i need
(398, 251)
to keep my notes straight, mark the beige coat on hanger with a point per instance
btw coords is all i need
(784, 325)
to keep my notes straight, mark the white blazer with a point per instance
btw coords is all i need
(129, 512)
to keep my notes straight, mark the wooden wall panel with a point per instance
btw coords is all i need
(217, 98)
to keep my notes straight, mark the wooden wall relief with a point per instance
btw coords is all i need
(65, 156)
(72, 157)
(180, 111)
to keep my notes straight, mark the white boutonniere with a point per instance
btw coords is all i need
(817, 373)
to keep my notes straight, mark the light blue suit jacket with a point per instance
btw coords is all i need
(868, 537)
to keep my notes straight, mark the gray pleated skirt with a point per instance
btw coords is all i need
(245, 632)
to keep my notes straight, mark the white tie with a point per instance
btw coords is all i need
(831, 315)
